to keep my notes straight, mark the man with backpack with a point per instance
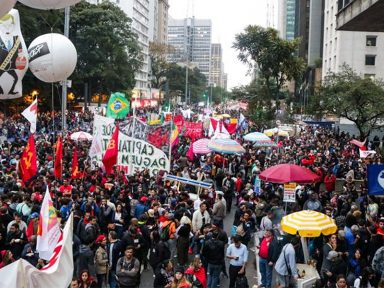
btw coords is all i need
(128, 270)
(286, 265)
(168, 233)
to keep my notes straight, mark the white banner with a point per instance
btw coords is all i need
(57, 273)
(134, 154)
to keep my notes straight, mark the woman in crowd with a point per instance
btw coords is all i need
(180, 281)
(101, 260)
(6, 258)
(196, 274)
(86, 280)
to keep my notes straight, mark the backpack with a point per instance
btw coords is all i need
(164, 232)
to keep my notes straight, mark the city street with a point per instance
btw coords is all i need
(147, 276)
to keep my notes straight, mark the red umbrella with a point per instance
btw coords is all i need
(285, 173)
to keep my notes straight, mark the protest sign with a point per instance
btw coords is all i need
(289, 192)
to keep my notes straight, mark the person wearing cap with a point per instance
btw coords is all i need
(219, 210)
(101, 260)
(33, 225)
(179, 281)
(338, 266)
(141, 207)
(285, 266)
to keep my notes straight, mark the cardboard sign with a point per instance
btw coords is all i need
(289, 192)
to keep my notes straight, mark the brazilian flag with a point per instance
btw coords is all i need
(118, 106)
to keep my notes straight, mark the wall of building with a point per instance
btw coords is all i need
(351, 48)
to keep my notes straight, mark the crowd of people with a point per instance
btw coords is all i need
(126, 224)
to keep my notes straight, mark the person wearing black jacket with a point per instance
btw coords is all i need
(213, 253)
(182, 244)
(159, 251)
(164, 275)
(115, 250)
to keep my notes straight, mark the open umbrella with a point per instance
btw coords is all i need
(79, 136)
(276, 131)
(308, 223)
(226, 146)
(260, 140)
(256, 136)
(201, 146)
(285, 173)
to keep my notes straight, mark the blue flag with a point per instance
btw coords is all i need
(375, 179)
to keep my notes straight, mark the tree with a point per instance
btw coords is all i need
(274, 58)
(108, 49)
(175, 75)
(158, 54)
(348, 95)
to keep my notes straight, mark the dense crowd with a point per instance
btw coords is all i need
(124, 224)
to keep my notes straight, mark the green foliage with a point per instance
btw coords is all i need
(175, 75)
(159, 66)
(274, 58)
(107, 48)
(348, 95)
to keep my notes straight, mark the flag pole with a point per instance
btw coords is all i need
(170, 139)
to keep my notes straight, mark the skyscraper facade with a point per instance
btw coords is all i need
(191, 42)
(216, 74)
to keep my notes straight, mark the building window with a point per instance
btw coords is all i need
(371, 41)
(370, 60)
(371, 76)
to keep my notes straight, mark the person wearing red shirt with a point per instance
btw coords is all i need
(265, 266)
(66, 189)
(330, 182)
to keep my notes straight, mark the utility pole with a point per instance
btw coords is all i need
(65, 82)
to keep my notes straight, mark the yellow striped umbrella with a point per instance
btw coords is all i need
(308, 223)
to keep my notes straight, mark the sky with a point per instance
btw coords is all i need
(229, 17)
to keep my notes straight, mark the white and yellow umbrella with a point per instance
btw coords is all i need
(308, 223)
(276, 131)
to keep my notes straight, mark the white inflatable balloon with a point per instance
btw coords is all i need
(52, 57)
(6, 6)
(13, 56)
(48, 4)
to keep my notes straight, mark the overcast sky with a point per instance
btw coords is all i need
(229, 17)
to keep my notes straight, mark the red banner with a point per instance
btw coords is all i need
(110, 156)
(193, 130)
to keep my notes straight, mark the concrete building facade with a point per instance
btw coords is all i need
(191, 42)
(216, 71)
(362, 51)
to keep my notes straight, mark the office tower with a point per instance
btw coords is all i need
(216, 74)
(191, 41)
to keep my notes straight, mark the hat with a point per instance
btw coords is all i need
(220, 193)
(151, 213)
(174, 187)
(381, 219)
(332, 255)
(100, 238)
(143, 199)
(179, 269)
(34, 215)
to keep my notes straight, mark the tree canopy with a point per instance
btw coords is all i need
(272, 57)
(107, 48)
(348, 95)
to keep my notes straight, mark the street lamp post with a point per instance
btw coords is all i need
(65, 82)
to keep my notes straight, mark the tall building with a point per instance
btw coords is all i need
(217, 71)
(362, 51)
(162, 23)
(191, 41)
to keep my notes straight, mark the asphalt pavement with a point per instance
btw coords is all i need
(147, 275)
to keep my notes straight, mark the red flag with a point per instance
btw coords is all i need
(190, 153)
(28, 165)
(58, 169)
(110, 156)
(75, 165)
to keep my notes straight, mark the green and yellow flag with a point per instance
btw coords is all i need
(118, 106)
